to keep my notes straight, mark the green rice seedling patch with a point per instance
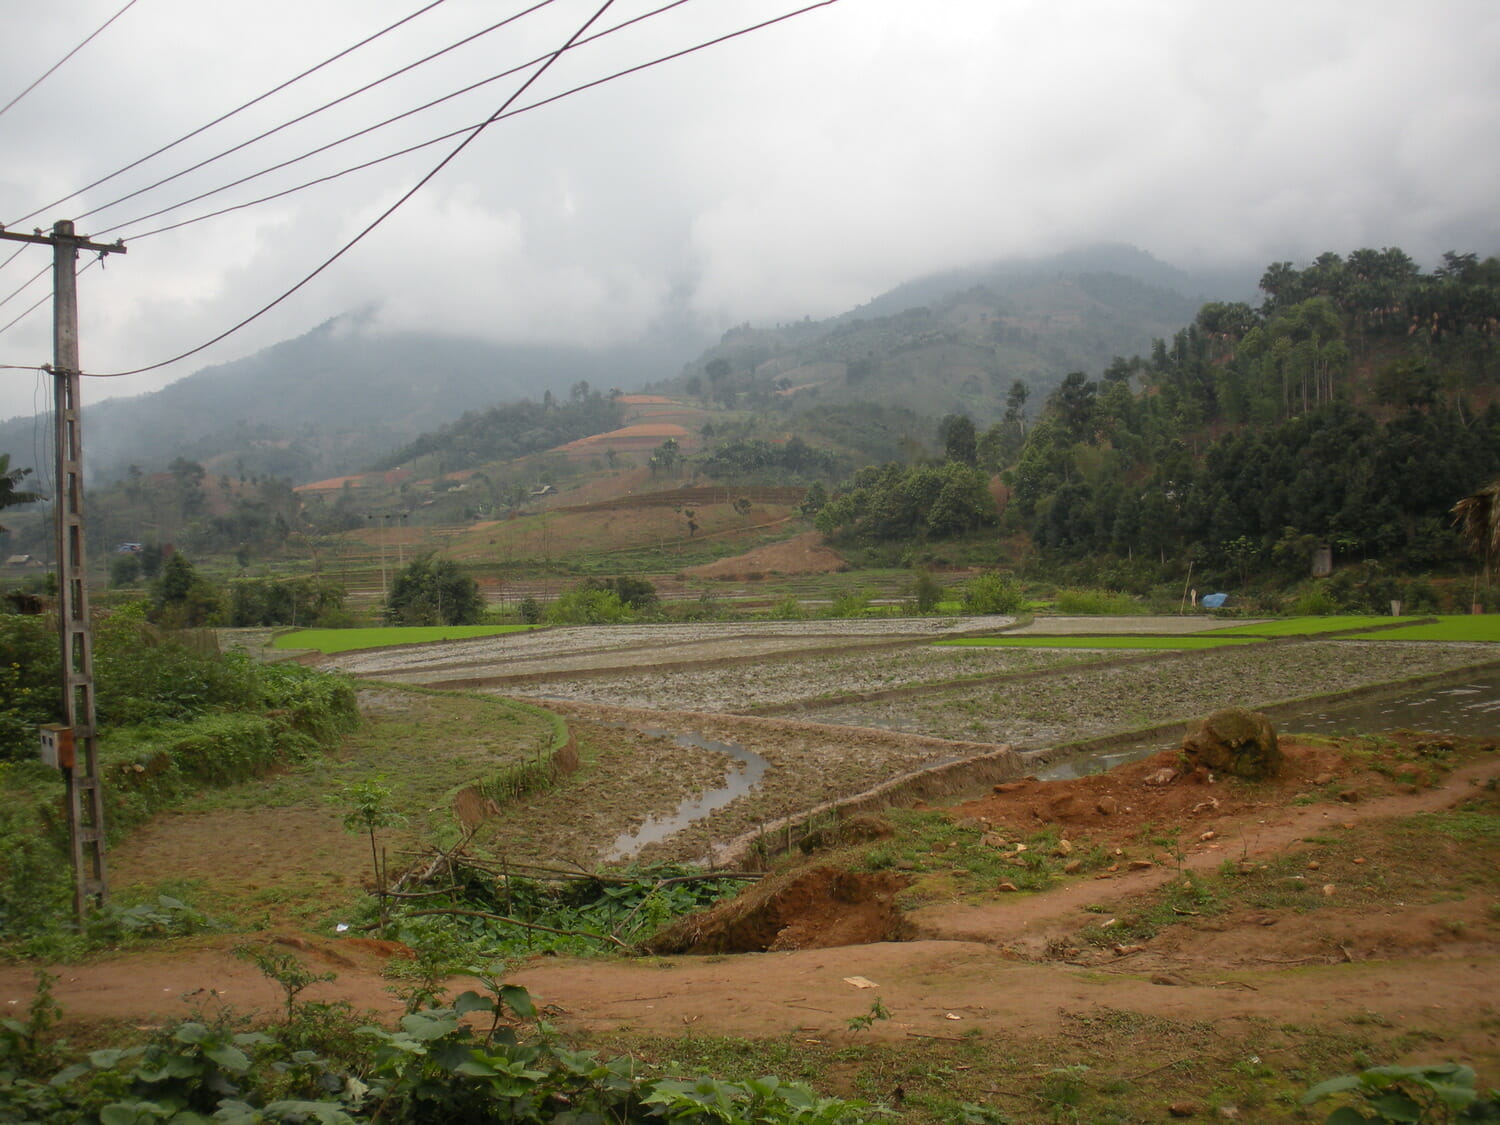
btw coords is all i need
(1310, 626)
(330, 641)
(1198, 641)
(1483, 628)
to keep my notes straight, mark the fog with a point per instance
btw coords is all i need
(798, 170)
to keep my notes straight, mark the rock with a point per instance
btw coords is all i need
(1164, 776)
(1063, 807)
(1064, 848)
(1209, 835)
(1107, 806)
(1329, 890)
(1236, 741)
(1183, 1109)
(1324, 779)
(1140, 864)
(1073, 867)
(1007, 887)
(994, 840)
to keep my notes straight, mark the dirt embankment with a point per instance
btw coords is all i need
(801, 554)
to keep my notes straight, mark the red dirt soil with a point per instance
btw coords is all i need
(801, 554)
(1005, 961)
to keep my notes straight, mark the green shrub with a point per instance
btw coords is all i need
(993, 592)
(588, 607)
(1095, 603)
(927, 592)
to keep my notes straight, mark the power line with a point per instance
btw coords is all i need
(47, 296)
(225, 117)
(3, 109)
(25, 285)
(456, 132)
(473, 132)
(361, 133)
(389, 210)
(313, 112)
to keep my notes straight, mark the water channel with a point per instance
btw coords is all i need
(751, 768)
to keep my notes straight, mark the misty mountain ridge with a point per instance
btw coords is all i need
(339, 398)
(956, 342)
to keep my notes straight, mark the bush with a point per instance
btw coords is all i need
(433, 591)
(29, 692)
(588, 607)
(993, 592)
(927, 592)
(1095, 603)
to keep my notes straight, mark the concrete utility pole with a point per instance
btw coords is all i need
(75, 744)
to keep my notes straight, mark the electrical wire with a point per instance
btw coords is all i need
(3, 109)
(314, 112)
(238, 109)
(464, 129)
(418, 186)
(25, 285)
(473, 131)
(42, 300)
(361, 133)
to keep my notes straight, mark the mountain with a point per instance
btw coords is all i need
(341, 397)
(335, 399)
(956, 342)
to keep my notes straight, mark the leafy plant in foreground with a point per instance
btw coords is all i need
(1428, 1095)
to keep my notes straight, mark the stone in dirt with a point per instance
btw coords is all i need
(1235, 741)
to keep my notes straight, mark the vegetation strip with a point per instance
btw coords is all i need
(1105, 641)
(330, 641)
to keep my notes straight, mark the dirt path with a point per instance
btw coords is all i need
(973, 965)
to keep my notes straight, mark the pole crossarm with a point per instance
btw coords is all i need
(79, 241)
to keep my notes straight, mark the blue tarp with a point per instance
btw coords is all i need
(1214, 601)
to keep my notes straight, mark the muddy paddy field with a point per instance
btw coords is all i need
(1114, 947)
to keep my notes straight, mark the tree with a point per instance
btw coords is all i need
(11, 494)
(668, 456)
(184, 599)
(960, 441)
(1478, 519)
(433, 591)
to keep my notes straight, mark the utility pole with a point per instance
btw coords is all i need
(79, 759)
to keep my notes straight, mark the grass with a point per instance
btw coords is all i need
(1484, 627)
(1369, 866)
(422, 746)
(1105, 1065)
(1199, 641)
(1308, 626)
(329, 641)
(949, 859)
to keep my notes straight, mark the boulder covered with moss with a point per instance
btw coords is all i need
(1234, 741)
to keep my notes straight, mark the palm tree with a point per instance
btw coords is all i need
(1478, 519)
(10, 491)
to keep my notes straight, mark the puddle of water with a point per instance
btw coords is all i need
(1471, 709)
(1464, 710)
(752, 767)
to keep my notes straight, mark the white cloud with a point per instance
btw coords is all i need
(797, 171)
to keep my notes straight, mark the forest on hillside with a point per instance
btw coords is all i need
(1351, 409)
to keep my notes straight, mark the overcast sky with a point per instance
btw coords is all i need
(796, 171)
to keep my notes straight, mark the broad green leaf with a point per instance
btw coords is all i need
(518, 1000)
